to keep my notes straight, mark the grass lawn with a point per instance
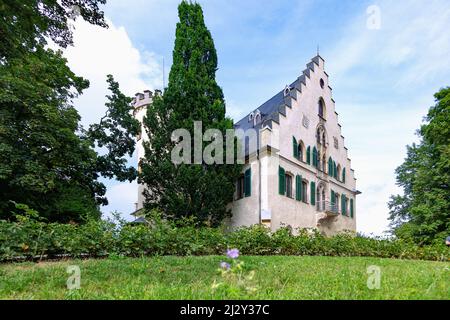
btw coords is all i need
(276, 277)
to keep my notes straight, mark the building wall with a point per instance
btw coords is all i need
(141, 101)
(285, 211)
(247, 208)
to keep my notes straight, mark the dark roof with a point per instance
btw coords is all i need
(139, 220)
(271, 109)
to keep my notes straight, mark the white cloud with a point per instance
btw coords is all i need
(385, 80)
(414, 35)
(98, 52)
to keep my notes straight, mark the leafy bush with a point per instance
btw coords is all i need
(29, 239)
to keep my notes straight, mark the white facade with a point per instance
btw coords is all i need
(141, 102)
(292, 117)
(294, 114)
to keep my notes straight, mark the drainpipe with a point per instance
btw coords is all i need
(259, 187)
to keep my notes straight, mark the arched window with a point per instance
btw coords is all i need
(315, 158)
(301, 151)
(338, 173)
(308, 155)
(257, 119)
(321, 108)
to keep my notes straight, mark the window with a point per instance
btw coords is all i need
(244, 185)
(338, 173)
(336, 201)
(289, 186)
(248, 183)
(315, 158)
(322, 83)
(330, 166)
(308, 155)
(336, 142)
(343, 175)
(300, 151)
(257, 119)
(321, 108)
(240, 188)
(324, 163)
(305, 191)
(344, 205)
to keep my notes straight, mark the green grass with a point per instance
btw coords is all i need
(276, 277)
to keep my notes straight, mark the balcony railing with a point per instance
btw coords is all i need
(328, 207)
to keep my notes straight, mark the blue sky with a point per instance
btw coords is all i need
(383, 80)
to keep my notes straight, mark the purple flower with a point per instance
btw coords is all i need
(233, 253)
(225, 265)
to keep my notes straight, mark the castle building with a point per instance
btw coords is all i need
(298, 172)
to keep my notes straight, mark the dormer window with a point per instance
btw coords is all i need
(257, 118)
(251, 116)
(287, 90)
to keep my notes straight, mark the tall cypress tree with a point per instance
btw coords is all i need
(188, 190)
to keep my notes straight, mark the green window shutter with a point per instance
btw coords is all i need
(295, 147)
(343, 175)
(332, 200)
(308, 155)
(334, 170)
(315, 157)
(313, 193)
(351, 208)
(248, 183)
(281, 181)
(298, 188)
(343, 203)
(330, 166)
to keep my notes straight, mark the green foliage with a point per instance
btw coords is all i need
(46, 160)
(25, 24)
(422, 213)
(185, 190)
(116, 132)
(29, 238)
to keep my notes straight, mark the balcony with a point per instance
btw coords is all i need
(329, 208)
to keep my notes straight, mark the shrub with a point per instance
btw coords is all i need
(29, 239)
